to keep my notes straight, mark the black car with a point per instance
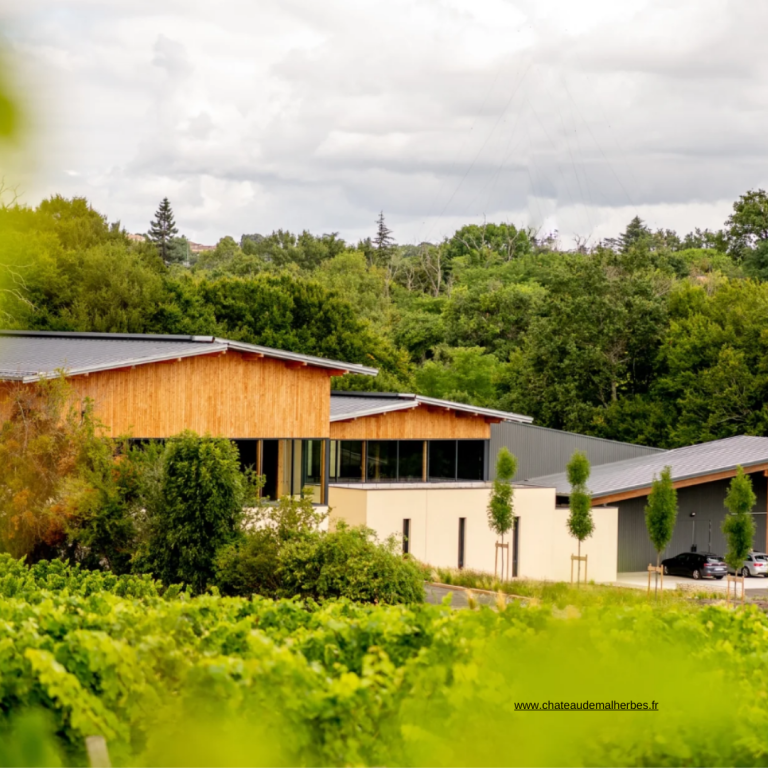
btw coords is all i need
(697, 565)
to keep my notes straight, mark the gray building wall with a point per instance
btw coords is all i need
(542, 451)
(635, 549)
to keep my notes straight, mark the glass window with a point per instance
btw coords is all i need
(406, 536)
(410, 460)
(442, 459)
(269, 465)
(347, 461)
(382, 460)
(313, 462)
(471, 460)
(248, 452)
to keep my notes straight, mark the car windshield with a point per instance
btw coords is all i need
(761, 558)
(715, 560)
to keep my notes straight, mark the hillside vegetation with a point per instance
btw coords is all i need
(650, 337)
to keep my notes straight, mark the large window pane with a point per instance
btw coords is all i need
(442, 460)
(410, 460)
(312, 468)
(382, 460)
(248, 453)
(269, 465)
(313, 462)
(471, 459)
(347, 461)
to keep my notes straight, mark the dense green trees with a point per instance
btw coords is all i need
(649, 337)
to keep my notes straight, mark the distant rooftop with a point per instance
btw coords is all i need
(356, 405)
(29, 356)
(685, 463)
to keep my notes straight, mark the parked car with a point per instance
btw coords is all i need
(756, 564)
(697, 565)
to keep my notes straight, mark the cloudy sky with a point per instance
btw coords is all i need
(253, 115)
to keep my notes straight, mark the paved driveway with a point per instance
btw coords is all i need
(436, 594)
(754, 586)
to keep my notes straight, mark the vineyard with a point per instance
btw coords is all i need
(170, 679)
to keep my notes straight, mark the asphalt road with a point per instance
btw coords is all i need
(435, 596)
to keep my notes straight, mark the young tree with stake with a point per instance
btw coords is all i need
(501, 506)
(580, 523)
(661, 513)
(739, 526)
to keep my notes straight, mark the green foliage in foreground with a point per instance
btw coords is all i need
(212, 680)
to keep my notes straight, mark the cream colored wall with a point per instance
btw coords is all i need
(545, 546)
(601, 547)
(348, 505)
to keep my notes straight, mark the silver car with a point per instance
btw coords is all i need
(755, 564)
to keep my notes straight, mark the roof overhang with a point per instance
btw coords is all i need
(204, 345)
(404, 402)
(681, 482)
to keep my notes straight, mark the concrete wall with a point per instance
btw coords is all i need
(544, 547)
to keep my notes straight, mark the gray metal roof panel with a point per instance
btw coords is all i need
(343, 408)
(353, 406)
(29, 356)
(689, 462)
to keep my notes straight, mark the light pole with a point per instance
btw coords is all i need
(693, 540)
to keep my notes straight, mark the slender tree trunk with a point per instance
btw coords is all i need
(578, 566)
(502, 557)
(658, 556)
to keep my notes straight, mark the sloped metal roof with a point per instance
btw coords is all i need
(689, 462)
(30, 356)
(357, 405)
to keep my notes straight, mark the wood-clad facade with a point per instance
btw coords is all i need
(419, 423)
(228, 395)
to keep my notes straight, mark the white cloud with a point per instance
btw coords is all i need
(298, 114)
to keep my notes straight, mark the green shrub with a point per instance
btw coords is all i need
(199, 510)
(249, 566)
(349, 562)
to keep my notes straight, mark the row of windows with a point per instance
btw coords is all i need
(354, 461)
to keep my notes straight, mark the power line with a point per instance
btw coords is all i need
(487, 139)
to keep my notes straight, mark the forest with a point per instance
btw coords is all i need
(651, 337)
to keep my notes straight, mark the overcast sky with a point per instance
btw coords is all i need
(299, 114)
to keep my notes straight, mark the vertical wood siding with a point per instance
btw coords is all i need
(413, 424)
(224, 395)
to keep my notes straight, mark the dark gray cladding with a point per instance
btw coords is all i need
(541, 451)
(707, 501)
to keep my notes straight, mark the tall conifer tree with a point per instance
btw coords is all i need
(384, 241)
(163, 229)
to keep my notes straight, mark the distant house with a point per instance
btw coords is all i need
(137, 238)
(198, 248)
